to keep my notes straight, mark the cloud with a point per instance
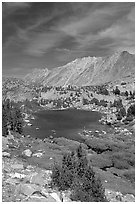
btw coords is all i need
(56, 33)
(29, 26)
(17, 4)
(79, 27)
(95, 20)
(40, 43)
(123, 32)
(10, 7)
(112, 25)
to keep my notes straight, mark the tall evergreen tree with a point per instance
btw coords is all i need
(11, 117)
(75, 174)
(4, 122)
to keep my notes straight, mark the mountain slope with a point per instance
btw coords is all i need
(16, 89)
(87, 71)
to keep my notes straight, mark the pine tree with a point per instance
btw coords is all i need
(116, 91)
(88, 188)
(126, 93)
(4, 123)
(75, 174)
(131, 110)
(11, 117)
(81, 161)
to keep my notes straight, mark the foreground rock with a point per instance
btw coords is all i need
(26, 172)
(5, 154)
(27, 152)
(115, 196)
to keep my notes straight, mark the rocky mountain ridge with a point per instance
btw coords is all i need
(87, 71)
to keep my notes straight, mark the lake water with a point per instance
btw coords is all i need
(62, 123)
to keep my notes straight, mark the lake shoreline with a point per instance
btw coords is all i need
(64, 121)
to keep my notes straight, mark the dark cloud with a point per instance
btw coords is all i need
(53, 33)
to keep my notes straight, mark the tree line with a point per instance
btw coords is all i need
(11, 117)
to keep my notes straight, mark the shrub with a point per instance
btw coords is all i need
(119, 116)
(4, 127)
(126, 93)
(116, 91)
(129, 175)
(125, 121)
(129, 118)
(75, 174)
(85, 101)
(131, 110)
(123, 83)
(132, 95)
(97, 145)
(122, 111)
(116, 145)
(117, 103)
(102, 90)
(122, 93)
(99, 160)
(103, 103)
(95, 101)
(105, 92)
(71, 94)
(72, 145)
(123, 159)
(121, 164)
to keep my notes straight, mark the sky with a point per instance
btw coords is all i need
(51, 34)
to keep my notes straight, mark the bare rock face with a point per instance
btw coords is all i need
(28, 189)
(27, 152)
(128, 198)
(17, 166)
(16, 89)
(36, 76)
(87, 71)
(5, 143)
(38, 179)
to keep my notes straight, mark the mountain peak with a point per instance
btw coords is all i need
(122, 52)
(87, 70)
